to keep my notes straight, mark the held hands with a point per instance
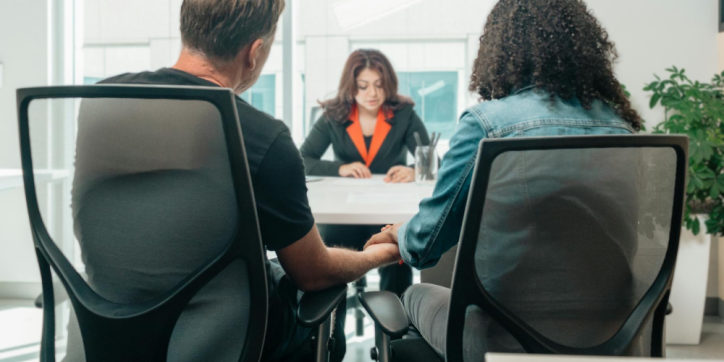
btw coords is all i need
(356, 170)
(388, 253)
(386, 241)
(388, 235)
(400, 174)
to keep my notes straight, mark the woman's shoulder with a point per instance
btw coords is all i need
(405, 111)
(332, 124)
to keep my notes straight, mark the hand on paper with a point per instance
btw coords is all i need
(356, 170)
(400, 174)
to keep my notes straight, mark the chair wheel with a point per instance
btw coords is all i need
(374, 354)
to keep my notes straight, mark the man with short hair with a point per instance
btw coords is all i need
(225, 44)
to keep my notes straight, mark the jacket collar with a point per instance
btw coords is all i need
(382, 128)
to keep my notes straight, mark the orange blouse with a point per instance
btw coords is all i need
(382, 128)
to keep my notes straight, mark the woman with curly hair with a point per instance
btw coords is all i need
(544, 68)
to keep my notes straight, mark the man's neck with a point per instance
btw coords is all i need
(198, 66)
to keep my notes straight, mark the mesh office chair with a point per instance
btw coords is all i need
(163, 209)
(568, 246)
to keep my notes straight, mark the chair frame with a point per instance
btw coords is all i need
(142, 331)
(470, 290)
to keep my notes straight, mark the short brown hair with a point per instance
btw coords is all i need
(220, 29)
(339, 107)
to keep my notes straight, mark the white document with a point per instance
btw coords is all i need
(382, 198)
(359, 182)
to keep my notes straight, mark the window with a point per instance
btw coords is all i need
(91, 80)
(435, 96)
(263, 94)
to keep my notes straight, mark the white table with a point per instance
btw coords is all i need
(502, 357)
(337, 200)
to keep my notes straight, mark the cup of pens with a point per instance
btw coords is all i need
(426, 161)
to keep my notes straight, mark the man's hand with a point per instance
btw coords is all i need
(400, 174)
(388, 235)
(389, 253)
(356, 170)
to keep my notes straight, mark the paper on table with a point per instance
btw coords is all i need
(359, 182)
(382, 198)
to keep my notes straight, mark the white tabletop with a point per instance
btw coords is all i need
(505, 357)
(337, 200)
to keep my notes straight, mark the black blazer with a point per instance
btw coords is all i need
(393, 151)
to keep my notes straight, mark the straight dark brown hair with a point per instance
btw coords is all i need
(220, 29)
(339, 107)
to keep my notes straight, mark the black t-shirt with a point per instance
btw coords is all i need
(276, 167)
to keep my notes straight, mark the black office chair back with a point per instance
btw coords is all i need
(163, 210)
(569, 245)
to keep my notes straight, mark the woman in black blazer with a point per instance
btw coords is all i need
(371, 129)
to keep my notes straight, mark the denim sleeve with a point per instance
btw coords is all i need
(436, 227)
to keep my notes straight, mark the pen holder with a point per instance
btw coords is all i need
(425, 165)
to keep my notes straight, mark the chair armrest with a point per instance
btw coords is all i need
(386, 310)
(59, 293)
(315, 307)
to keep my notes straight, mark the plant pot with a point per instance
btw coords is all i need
(688, 292)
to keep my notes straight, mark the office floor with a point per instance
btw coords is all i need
(20, 326)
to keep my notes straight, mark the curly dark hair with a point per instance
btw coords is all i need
(555, 45)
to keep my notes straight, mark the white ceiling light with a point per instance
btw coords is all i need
(431, 88)
(353, 13)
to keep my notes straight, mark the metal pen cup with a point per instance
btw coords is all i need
(426, 165)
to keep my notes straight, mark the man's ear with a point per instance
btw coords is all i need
(254, 51)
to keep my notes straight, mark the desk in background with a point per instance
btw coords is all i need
(349, 201)
(338, 200)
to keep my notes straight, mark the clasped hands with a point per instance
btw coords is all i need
(386, 237)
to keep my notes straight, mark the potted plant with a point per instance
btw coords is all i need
(696, 110)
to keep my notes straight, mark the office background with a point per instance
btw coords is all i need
(431, 44)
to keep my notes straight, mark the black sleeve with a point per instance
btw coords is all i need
(313, 149)
(280, 191)
(416, 125)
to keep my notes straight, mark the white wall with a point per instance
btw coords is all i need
(428, 35)
(24, 54)
(652, 35)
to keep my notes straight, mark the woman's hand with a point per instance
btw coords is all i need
(400, 174)
(355, 169)
(388, 235)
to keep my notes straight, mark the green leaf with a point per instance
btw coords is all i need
(690, 187)
(696, 226)
(706, 174)
(654, 100)
(699, 183)
(714, 191)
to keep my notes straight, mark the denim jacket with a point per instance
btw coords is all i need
(527, 113)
